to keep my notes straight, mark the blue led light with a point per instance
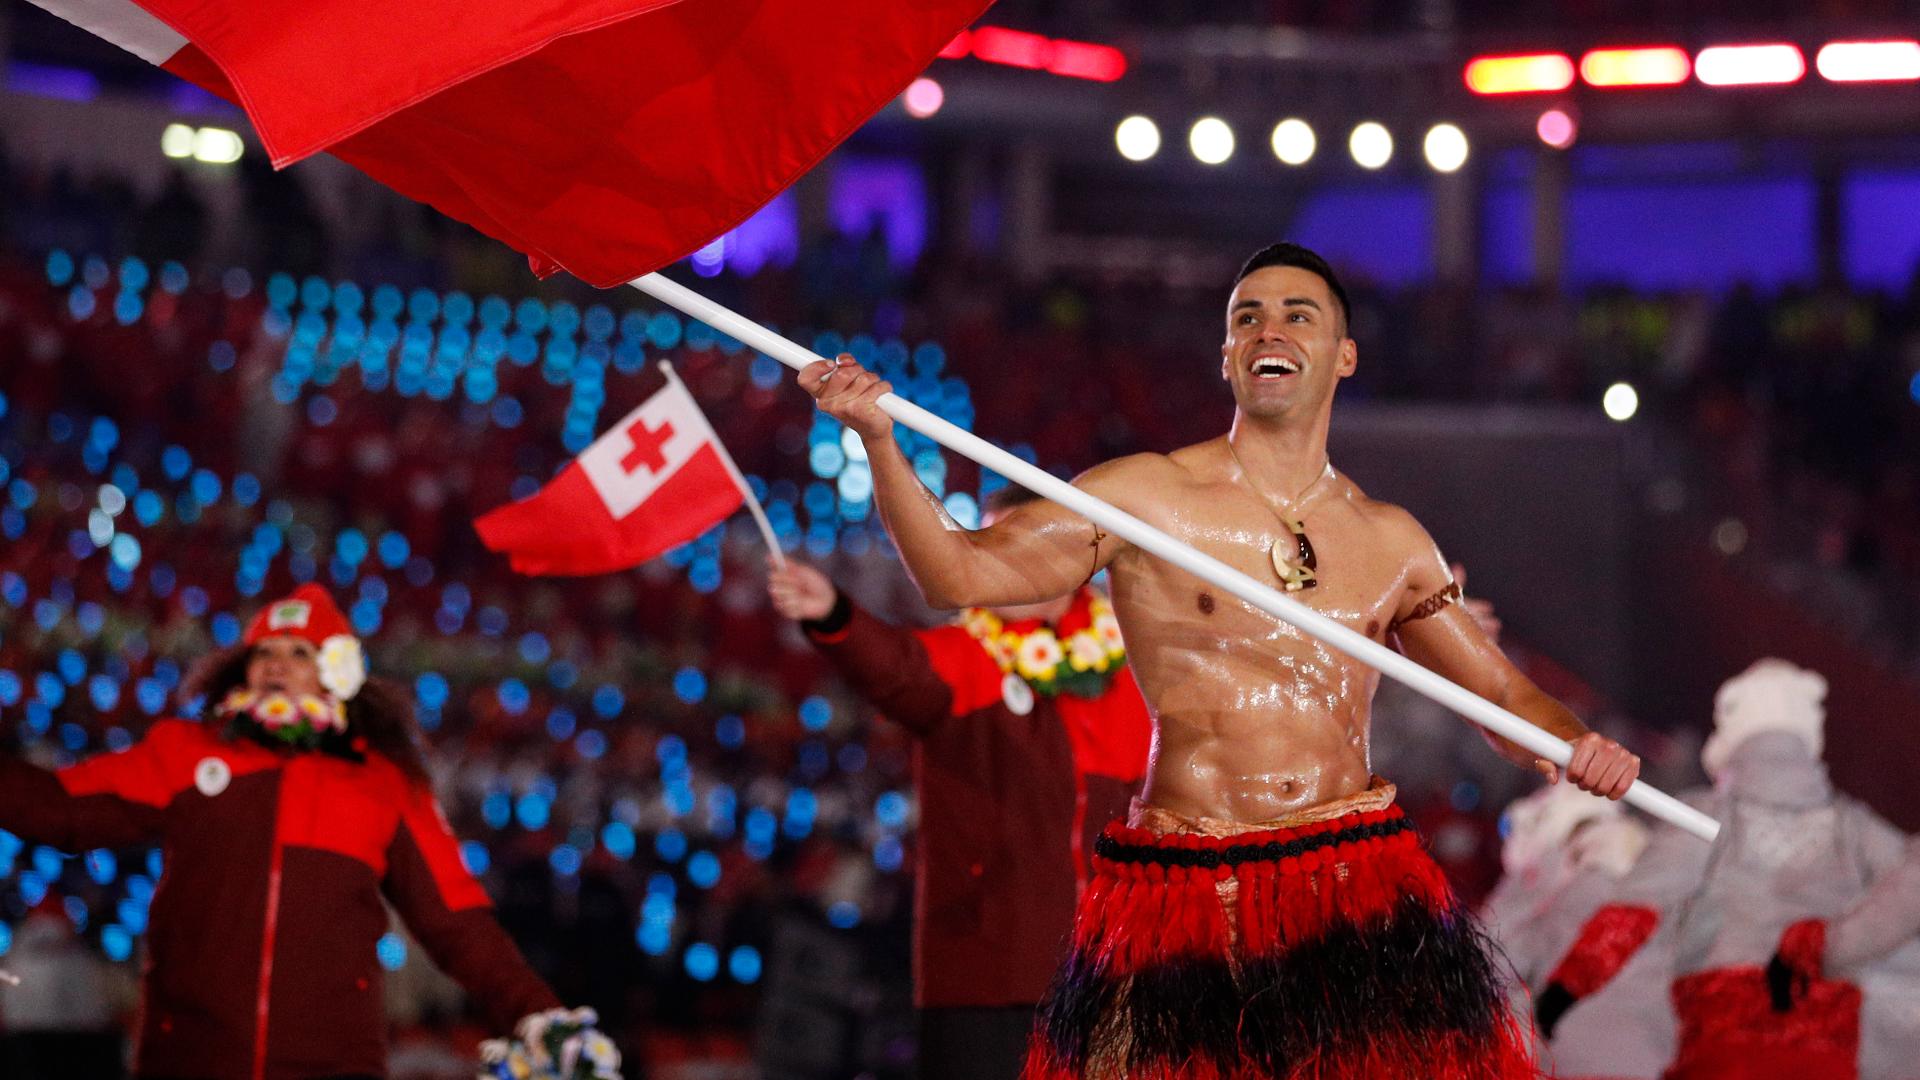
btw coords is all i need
(703, 961)
(744, 964)
(815, 713)
(475, 856)
(844, 915)
(703, 869)
(391, 951)
(670, 844)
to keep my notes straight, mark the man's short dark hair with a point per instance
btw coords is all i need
(1008, 496)
(1289, 254)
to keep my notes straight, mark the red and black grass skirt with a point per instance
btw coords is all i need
(1323, 951)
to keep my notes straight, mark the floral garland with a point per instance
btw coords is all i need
(1082, 664)
(559, 1044)
(302, 721)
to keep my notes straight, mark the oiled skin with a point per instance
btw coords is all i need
(1253, 718)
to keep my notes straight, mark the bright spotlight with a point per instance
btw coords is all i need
(1621, 401)
(1556, 129)
(1211, 140)
(923, 98)
(1446, 148)
(217, 146)
(1371, 145)
(177, 141)
(1293, 142)
(1137, 137)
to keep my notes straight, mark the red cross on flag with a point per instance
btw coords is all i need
(656, 479)
(603, 137)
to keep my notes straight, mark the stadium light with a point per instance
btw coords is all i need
(1749, 65)
(1661, 65)
(1014, 48)
(1556, 128)
(1524, 74)
(923, 98)
(1085, 60)
(1446, 148)
(1371, 145)
(1211, 140)
(1137, 137)
(1869, 61)
(177, 141)
(1293, 141)
(217, 146)
(1620, 401)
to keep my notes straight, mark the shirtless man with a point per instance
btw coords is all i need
(1266, 903)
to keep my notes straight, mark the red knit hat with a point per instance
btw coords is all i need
(309, 613)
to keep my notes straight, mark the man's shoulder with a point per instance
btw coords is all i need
(1124, 474)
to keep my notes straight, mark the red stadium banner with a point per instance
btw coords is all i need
(606, 138)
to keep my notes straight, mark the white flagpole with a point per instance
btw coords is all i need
(726, 459)
(1207, 568)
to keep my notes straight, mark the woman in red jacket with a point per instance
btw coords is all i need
(284, 817)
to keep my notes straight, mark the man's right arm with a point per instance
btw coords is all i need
(1038, 551)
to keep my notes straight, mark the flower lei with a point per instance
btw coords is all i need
(303, 721)
(1081, 662)
(559, 1044)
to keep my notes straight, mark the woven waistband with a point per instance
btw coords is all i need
(1128, 845)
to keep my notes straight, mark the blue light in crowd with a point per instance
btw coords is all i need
(802, 806)
(124, 550)
(814, 759)
(491, 621)
(13, 588)
(815, 713)
(654, 938)
(10, 688)
(132, 914)
(73, 737)
(101, 866)
(431, 688)
(80, 302)
(730, 731)
(617, 837)
(703, 961)
(22, 493)
(59, 268)
(32, 887)
(844, 915)
(49, 689)
(73, 666)
(151, 695)
(533, 810)
(891, 809)
(608, 701)
(562, 674)
(393, 550)
(591, 745)
(365, 616)
(513, 696)
(116, 942)
(156, 862)
(497, 809)
(392, 952)
(193, 599)
(47, 614)
(119, 739)
(47, 862)
(350, 546)
(704, 869)
(888, 854)
(476, 858)
(534, 648)
(744, 964)
(104, 691)
(205, 487)
(670, 750)
(507, 412)
(661, 883)
(561, 723)
(689, 685)
(663, 330)
(670, 844)
(1913, 388)
(565, 860)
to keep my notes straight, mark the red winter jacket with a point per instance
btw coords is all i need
(262, 931)
(1009, 805)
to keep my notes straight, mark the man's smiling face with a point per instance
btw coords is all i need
(1286, 344)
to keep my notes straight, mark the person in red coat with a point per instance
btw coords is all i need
(1030, 737)
(285, 818)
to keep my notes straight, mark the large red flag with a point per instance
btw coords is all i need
(656, 479)
(607, 138)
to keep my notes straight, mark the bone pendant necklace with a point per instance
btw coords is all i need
(1292, 554)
